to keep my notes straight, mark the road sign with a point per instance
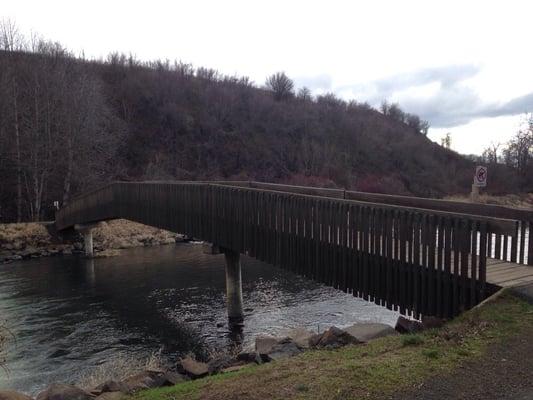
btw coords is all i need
(480, 178)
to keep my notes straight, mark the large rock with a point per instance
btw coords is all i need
(368, 331)
(301, 337)
(264, 344)
(12, 395)
(111, 386)
(192, 368)
(173, 378)
(406, 325)
(333, 338)
(285, 348)
(143, 380)
(29, 251)
(60, 391)
(252, 357)
(218, 364)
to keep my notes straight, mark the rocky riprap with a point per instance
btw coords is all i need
(267, 349)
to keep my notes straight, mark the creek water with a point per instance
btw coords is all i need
(67, 315)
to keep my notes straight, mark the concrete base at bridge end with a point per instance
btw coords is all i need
(86, 231)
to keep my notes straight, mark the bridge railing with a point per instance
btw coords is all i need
(414, 260)
(510, 244)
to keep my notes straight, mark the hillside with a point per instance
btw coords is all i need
(68, 124)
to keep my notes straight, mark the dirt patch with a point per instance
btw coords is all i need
(504, 372)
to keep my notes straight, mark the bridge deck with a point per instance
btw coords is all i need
(507, 274)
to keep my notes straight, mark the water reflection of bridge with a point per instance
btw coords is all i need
(414, 255)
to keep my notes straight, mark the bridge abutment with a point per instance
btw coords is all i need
(234, 288)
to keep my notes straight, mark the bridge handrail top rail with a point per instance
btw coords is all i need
(506, 226)
(490, 210)
(503, 224)
(482, 210)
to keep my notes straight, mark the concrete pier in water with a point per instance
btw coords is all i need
(86, 231)
(234, 288)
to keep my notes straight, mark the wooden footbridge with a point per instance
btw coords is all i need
(417, 256)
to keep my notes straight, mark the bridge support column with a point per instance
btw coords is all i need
(87, 233)
(234, 288)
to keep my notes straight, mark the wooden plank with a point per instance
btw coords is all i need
(516, 282)
(482, 261)
(498, 247)
(530, 244)
(456, 271)
(514, 244)
(522, 249)
(505, 247)
(439, 266)
(432, 299)
(447, 306)
(474, 228)
(417, 265)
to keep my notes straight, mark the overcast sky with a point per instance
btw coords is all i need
(465, 66)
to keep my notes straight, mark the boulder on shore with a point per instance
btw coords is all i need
(301, 337)
(270, 348)
(111, 386)
(251, 357)
(264, 344)
(218, 364)
(192, 368)
(144, 380)
(60, 391)
(406, 325)
(285, 348)
(333, 338)
(368, 331)
(12, 395)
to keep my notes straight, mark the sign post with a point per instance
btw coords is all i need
(480, 180)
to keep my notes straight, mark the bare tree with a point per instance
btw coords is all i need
(490, 154)
(519, 151)
(12, 41)
(305, 94)
(281, 85)
(446, 141)
(10, 37)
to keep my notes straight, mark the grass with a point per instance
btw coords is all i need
(375, 370)
(412, 340)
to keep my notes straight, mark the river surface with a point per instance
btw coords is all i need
(68, 315)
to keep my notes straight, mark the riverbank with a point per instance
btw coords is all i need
(34, 240)
(521, 200)
(390, 367)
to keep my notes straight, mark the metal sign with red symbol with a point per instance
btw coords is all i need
(480, 178)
